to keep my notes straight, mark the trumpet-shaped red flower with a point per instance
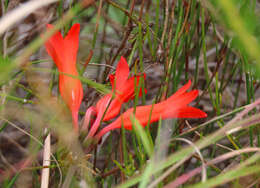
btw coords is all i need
(123, 88)
(64, 54)
(108, 107)
(175, 106)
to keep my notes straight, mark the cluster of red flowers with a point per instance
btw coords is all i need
(64, 53)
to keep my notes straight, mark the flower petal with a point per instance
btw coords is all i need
(71, 43)
(121, 75)
(174, 107)
(54, 47)
(72, 93)
(125, 93)
(191, 112)
(64, 55)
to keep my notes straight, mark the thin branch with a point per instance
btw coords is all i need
(36, 140)
(46, 162)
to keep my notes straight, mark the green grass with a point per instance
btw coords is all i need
(215, 44)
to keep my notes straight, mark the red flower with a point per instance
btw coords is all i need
(64, 54)
(175, 106)
(123, 89)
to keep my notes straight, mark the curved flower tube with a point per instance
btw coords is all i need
(123, 89)
(91, 111)
(175, 106)
(64, 54)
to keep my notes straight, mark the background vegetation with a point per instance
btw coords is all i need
(213, 43)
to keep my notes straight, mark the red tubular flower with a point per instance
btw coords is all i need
(123, 89)
(91, 111)
(64, 54)
(175, 106)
